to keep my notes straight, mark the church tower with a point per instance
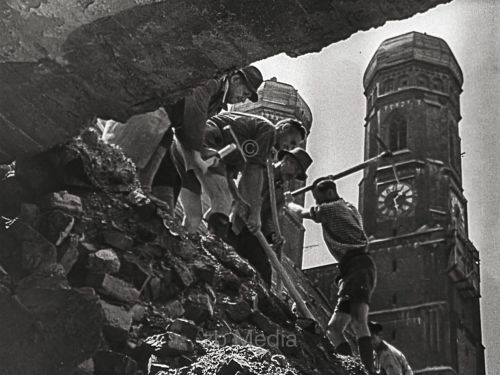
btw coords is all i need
(414, 209)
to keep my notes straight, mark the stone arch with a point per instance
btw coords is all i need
(403, 80)
(423, 80)
(437, 84)
(387, 85)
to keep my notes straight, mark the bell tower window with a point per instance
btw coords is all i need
(397, 132)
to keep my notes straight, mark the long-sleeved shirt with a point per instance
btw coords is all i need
(342, 227)
(190, 118)
(390, 361)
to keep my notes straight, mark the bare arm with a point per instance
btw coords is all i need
(250, 187)
(295, 208)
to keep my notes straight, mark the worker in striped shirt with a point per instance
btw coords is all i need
(345, 238)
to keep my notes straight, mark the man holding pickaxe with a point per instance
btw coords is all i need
(345, 238)
(254, 138)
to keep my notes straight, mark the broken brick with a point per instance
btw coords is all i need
(63, 201)
(183, 274)
(108, 362)
(117, 322)
(203, 271)
(198, 308)
(113, 287)
(117, 239)
(67, 253)
(184, 327)
(233, 366)
(168, 344)
(154, 288)
(104, 261)
(85, 368)
(56, 226)
(49, 276)
(135, 269)
(138, 313)
(174, 309)
(238, 311)
(35, 249)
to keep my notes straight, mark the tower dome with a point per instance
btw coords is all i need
(278, 100)
(413, 46)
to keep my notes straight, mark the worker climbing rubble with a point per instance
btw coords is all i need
(255, 137)
(292, 164)
(187, 117)
(345, 238)
(388, 359)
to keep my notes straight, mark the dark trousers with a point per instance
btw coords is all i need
(248, 247)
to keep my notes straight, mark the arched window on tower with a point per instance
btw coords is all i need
(387, 86)
(397, 132)
(403, 81)
(437, 84)
(423, 80)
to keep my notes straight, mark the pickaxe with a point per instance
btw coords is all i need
(278, 267)
(386, 153)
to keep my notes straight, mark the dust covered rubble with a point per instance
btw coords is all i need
(97, 279)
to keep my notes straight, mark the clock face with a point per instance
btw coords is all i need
(457, 211)
(396, 199)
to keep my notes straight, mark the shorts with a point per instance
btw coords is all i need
(357, 280)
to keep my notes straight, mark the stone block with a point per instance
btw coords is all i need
(234, 366)
(113, 287)
(168, 344)
(104, 261)
(238, 311)
(174, 309)
(183, 275)
(198, 307)
(184, 327)
(67, 253)
(63, 201)
(47, 331)
(117, 322)
(85, 368)
(134, 269)
(35, 249)
(56, 225)
(203, 271)
(117, 239)
(138, 312)
(108, 362)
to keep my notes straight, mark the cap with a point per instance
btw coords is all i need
(296, 124)
(375, 327)
(253, 78)
(302, 158)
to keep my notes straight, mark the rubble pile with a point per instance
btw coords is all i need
(97, 279)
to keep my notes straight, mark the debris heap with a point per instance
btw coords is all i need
(97, 279)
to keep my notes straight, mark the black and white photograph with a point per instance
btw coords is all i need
(249, 187)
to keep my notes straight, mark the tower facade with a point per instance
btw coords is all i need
(277, 101)
(414, 209)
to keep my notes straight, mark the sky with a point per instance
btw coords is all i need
(331, 83)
